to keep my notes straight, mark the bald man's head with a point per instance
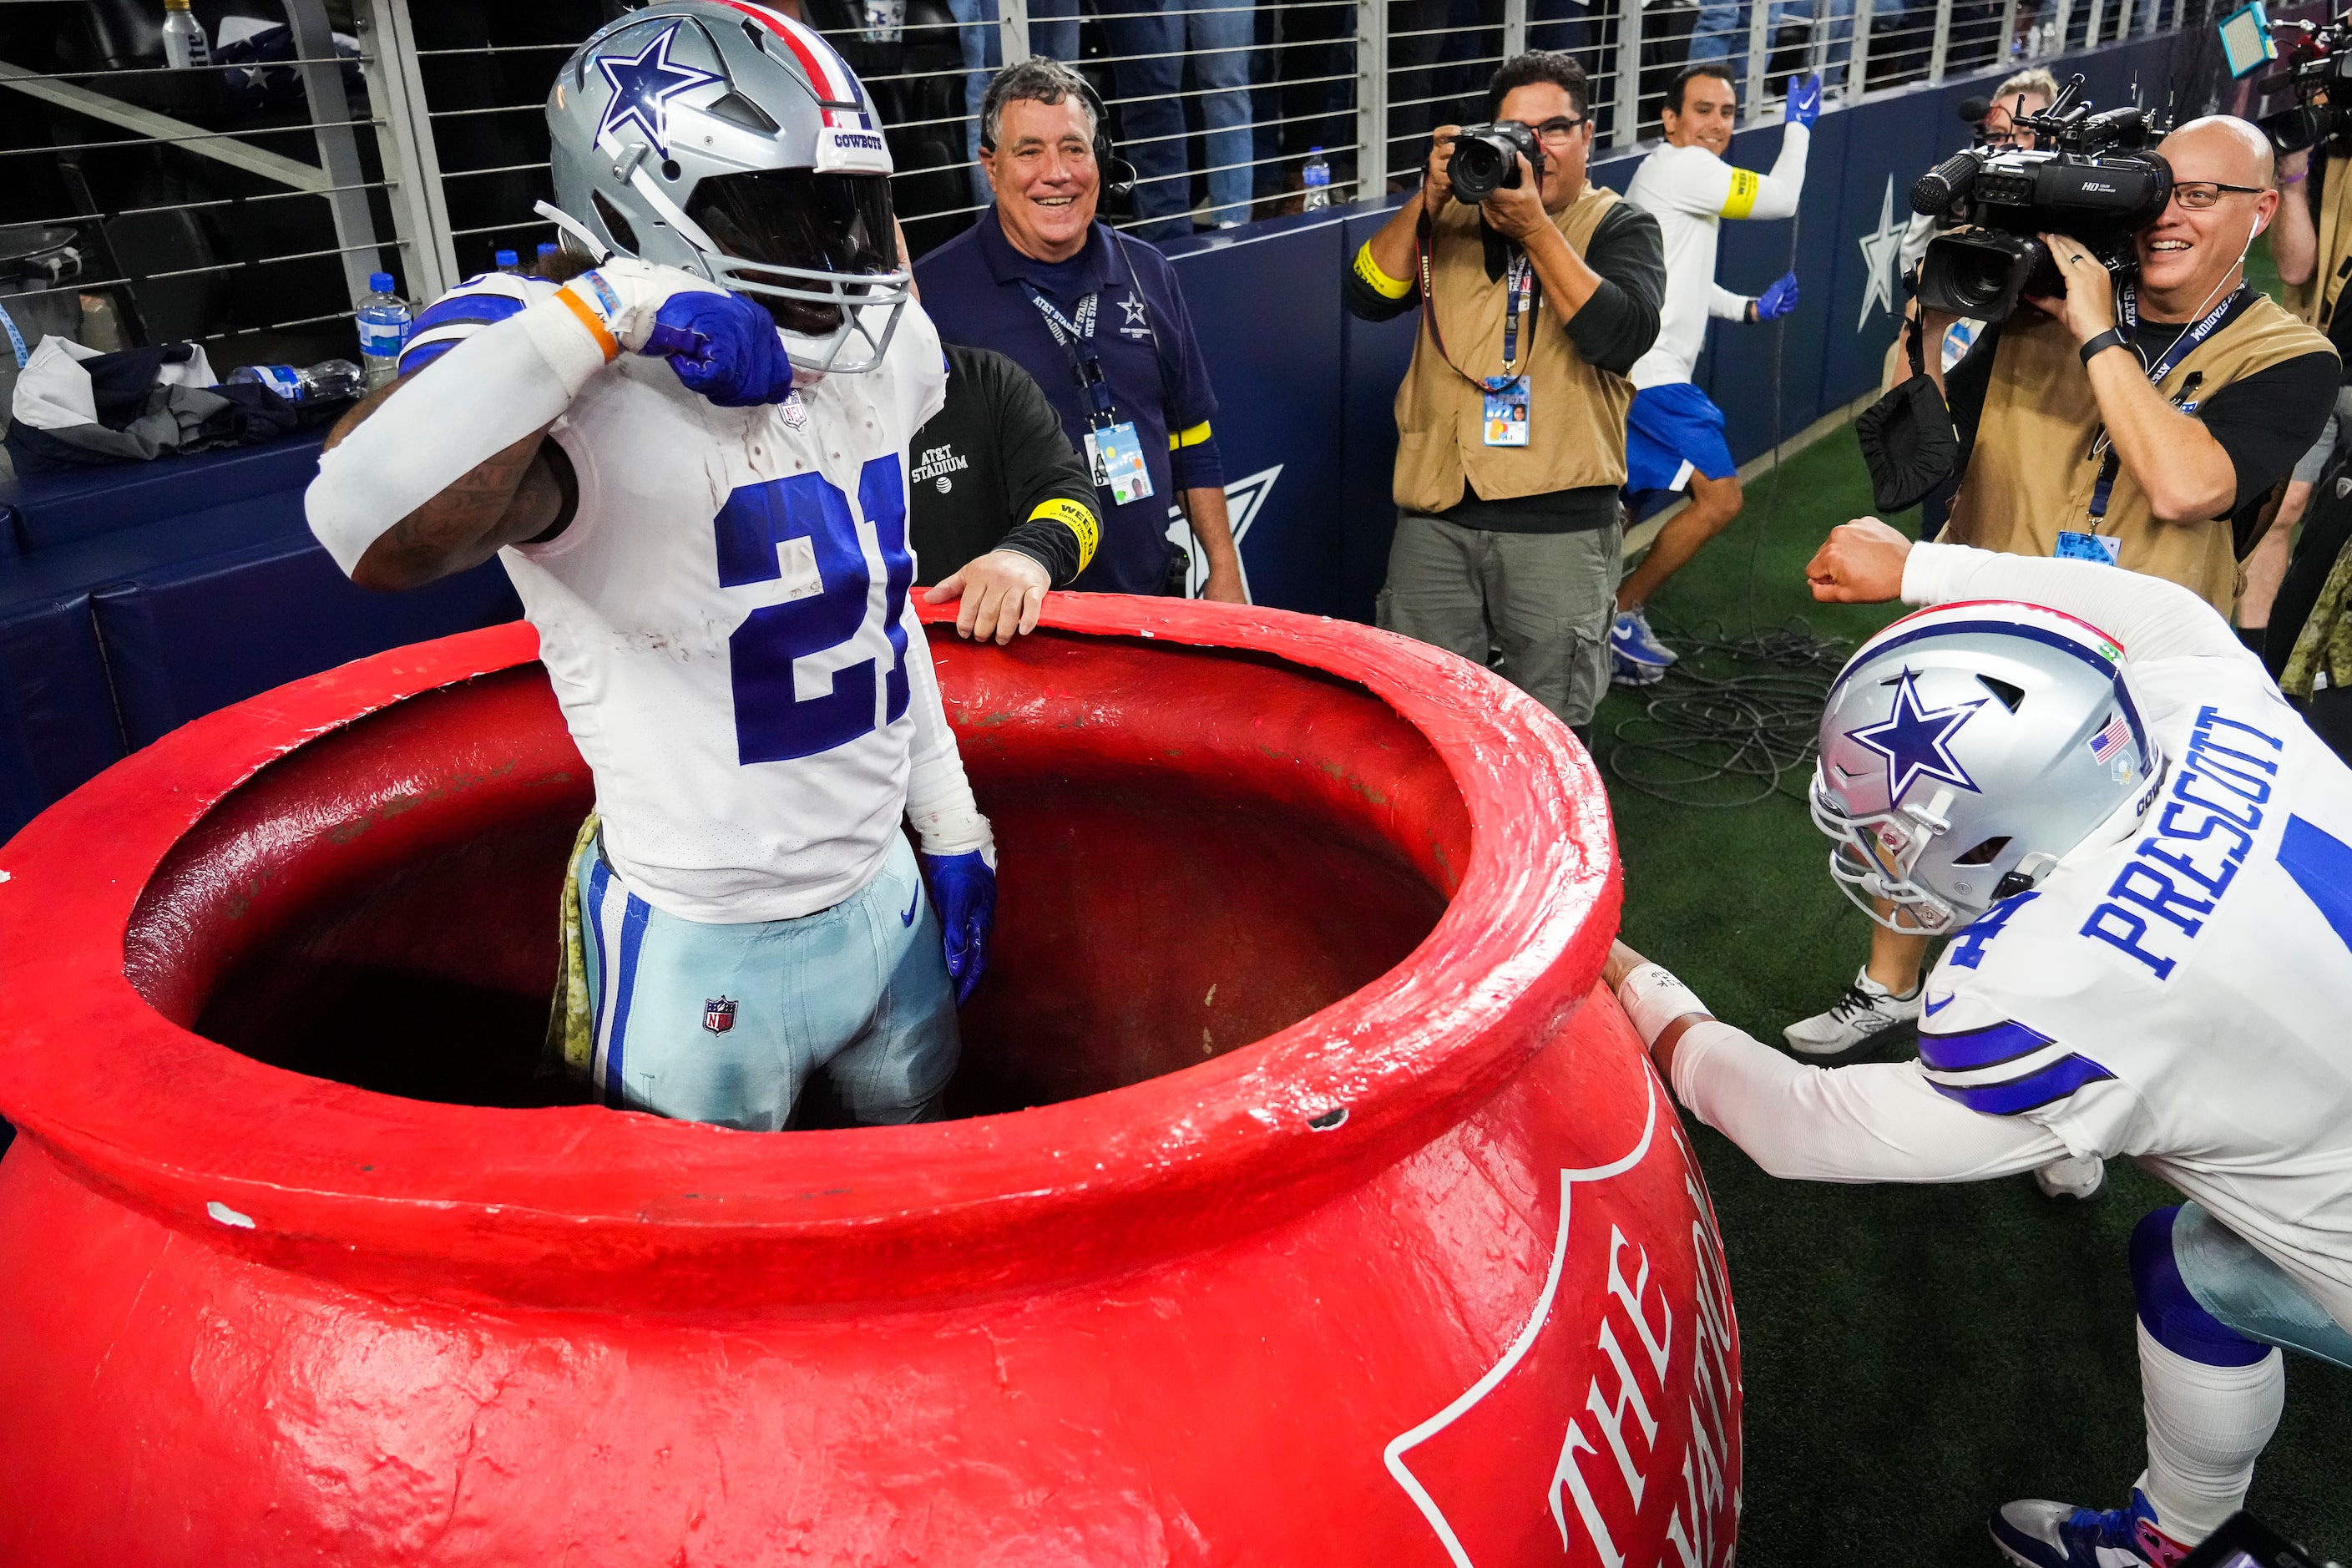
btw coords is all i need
(2219, 147)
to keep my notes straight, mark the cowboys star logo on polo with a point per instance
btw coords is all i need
(718, 1015)
(643, 87)
(1917, 742)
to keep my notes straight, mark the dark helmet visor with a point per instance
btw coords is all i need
(798, 217)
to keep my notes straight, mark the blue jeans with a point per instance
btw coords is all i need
(727, 1024)
(983, 51)
(1218, 32)
(1721, 33)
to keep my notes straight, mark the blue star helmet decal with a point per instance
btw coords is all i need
(643, 87)
(1917, 742)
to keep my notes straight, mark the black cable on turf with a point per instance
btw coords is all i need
(1733, 716)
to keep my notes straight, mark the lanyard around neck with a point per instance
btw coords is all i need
(1522, 293)
(1076, 341)
(2198, 332)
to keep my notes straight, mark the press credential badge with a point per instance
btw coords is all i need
(1114, 455)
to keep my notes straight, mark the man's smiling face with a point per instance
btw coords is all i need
(2192, 252)
(1043, 172)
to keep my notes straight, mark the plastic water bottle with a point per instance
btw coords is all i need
(384, 321)
(1316, 176)
(545, 265)
(184, 43)
(326, 381)
(509, 262)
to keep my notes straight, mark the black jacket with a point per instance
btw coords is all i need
(986, 463)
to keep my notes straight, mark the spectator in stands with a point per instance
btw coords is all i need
(977, 35)
(999, 507)
(1098, 318)
(2084, 447)
(1721, 33)
(1538, 303)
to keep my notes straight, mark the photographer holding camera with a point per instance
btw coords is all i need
(2125, 425)
(1538, 291)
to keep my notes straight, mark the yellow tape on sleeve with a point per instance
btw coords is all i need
(1077, 519)
(1742, 199)
(1380, 282)
(1193, 438)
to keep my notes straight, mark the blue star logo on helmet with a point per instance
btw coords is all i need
(643, 87)
(1917, 742)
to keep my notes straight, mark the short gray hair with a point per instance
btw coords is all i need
(1041, 78)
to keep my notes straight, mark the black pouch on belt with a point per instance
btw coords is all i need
(1907, 439)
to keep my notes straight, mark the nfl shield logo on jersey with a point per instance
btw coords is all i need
(793, 411)
(718, 1016)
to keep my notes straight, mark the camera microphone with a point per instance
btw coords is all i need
(1933, 194)
(1972, 111)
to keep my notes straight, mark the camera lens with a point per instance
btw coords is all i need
(1477, 172)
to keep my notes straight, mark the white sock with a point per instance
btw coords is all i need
(2206, 1426)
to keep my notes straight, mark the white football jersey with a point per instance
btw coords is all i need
(1690, 191)
(2185, 996)
(726, 620)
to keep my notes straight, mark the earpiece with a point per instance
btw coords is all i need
(1118, 174)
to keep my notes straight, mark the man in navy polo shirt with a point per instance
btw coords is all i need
(1097, 319)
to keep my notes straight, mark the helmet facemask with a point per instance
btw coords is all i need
(800, 242)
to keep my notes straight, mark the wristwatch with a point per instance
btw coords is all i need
(2112, 338)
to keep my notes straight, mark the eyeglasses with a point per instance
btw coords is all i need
(2197, 195)
(1559, 128)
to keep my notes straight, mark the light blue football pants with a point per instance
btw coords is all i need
(726, 1024)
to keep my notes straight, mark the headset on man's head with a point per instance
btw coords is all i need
(1118, 175)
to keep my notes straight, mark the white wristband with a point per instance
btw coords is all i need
(1653, 998)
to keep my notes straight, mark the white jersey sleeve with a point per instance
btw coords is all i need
(1725, 306)
(2153, 619)
(1881, 1121)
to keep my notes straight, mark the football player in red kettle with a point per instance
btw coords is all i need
(691, 460)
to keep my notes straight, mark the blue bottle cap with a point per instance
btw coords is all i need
(506, 258)
(380, 282)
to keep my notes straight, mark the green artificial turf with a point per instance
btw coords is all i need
(1913, 1355)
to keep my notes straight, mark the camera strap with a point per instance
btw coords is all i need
(1524, 294)
(2186, 343)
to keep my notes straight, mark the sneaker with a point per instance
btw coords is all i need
(1865, 1018)
(2058, 1535)
(2080, 1177)
(1624, 671)
(1632, 642)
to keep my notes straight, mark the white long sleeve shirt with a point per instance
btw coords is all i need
(1690, 191)
(2211, 1045)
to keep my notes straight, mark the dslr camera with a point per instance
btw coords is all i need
(2319, 68)
(2092, 176)
(1487, 159)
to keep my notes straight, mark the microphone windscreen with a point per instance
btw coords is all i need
(1974, 110)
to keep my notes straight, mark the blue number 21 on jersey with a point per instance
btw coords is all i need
(772, 722)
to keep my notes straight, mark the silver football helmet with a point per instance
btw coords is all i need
(1966, 750)
(730, 140)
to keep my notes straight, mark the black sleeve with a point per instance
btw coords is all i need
(2267, 422)
(1620, 322)
(1367, 303)
(1039, 467)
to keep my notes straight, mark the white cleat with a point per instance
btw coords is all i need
(1867, 1019)
(2077, 1176)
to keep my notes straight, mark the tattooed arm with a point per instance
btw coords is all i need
(519, 494)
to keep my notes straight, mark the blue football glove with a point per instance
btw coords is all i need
(964, 886)
(1805, 100)
(1779, 298)
(723, 346)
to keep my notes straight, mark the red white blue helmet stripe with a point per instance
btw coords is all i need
(838, 94)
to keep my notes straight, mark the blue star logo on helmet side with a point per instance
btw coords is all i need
(1917, 742)
(643, 87)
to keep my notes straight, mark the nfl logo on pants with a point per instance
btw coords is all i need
(718, 1016)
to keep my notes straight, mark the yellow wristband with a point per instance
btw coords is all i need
(1742, 199)
(1378, 282)
(1077, 519)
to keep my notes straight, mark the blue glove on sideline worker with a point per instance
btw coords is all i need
(1805, 100)
(1779, 298)
(964, 887)
(723, 346)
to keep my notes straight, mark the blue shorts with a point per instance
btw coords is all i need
(2232, 1279)
(726, 1024)
(1672, 432)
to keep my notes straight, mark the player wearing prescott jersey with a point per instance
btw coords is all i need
(691, 460)
(1673, 435)
(2146, 859)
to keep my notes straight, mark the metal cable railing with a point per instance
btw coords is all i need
(247, 200)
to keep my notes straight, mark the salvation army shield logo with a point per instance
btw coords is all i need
(718, 1015)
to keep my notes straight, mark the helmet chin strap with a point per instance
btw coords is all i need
(572, 227)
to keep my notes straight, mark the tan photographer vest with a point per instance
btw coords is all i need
(2032, 471)
(2316, 300)
(1576, 434)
